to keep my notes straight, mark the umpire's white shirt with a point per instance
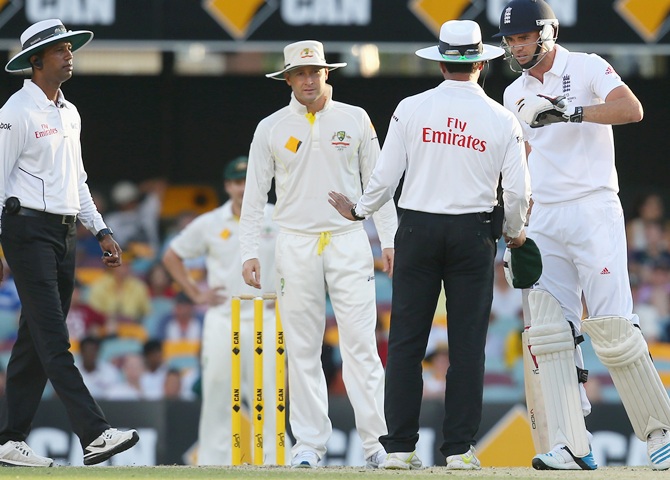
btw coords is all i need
(452, 142)
(307, 160)
(570, 160)
(41, 158)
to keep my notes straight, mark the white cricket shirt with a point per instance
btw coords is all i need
(334, 151)
(569, 161)
(216, 235)
(40, 153)
(452, 142)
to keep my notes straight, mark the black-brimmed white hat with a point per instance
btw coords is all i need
(460, 42)
(41, 34)
(301, 54)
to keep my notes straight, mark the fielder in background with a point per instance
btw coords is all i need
(452, 143)
(567, 103)
(43, 191)
(310, 147)
(216, 236)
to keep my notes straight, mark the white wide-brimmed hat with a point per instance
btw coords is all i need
(460, 42)
(301, 54)
(41, 34)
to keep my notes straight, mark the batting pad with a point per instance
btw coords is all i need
(621, 348)
(551, 341)
(535, 405)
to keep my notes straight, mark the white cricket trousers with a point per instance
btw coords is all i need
(583, 247)
(215, 429)
(345, 270)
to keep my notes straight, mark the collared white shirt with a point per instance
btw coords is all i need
(216, 235)
(335, 151)
(40, 152)
(452, 142)
(569, 161)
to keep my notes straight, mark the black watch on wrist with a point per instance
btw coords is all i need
(101, 234)
(353, 214)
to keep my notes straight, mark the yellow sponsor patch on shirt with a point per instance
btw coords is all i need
(293, 144)
(225, 234)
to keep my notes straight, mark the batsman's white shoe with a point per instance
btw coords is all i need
(19, 454)
(560, 458)
(108, 444)
(401, 461)
(376, 459)
(305, 459)
(464, 461)
(658, 449)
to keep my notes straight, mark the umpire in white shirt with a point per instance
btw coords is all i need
(43, 191)
(452, 143)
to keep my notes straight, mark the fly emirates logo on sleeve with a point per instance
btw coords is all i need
(454, 135)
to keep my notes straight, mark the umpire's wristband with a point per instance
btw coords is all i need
(577, 116)
(353, 214)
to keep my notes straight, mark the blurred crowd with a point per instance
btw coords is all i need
(135, 336)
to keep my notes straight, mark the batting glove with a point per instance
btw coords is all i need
(542, 110)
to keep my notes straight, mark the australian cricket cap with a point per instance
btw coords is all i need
(523, 265)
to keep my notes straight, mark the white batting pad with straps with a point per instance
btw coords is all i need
(551, 341)
(621, 348)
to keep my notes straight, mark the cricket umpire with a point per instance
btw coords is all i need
(43, 191)
(452, 143)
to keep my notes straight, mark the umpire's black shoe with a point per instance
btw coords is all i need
(109, 443)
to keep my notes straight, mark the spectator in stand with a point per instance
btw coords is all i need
(152, 380)
(159, 282)
(99, 376)
(137, 214)
(120, 295)
(129, 388)
(183, 323)
(649, 209)
(656, 292)
(172, 388)
(82, 319)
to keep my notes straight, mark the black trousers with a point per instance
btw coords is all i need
(430, 250)
(41, 255)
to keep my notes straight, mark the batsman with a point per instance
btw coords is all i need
(567, 103)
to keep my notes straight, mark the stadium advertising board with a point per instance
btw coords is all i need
(230, 24)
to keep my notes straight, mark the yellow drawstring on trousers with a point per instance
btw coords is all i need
(324, 239)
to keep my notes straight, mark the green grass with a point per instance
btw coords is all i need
(327, 473)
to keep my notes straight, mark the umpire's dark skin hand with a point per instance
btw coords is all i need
(111, 252)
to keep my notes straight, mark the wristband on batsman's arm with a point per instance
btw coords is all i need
(577, 116)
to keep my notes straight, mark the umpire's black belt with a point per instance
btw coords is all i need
(50, 217)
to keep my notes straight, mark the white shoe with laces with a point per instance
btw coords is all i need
(376, 459)
(19, 454)
(464, 461)
(401, 461)
(658, 449)
(305, 459)
(109, 443)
